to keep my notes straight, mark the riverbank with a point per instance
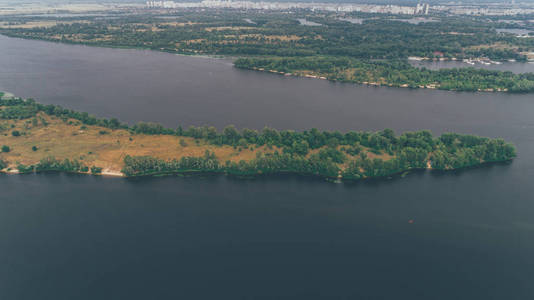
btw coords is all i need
(253, 175)
(459, 83)
(42, 138)
(377, 84)
(397, 73)
(371, 72)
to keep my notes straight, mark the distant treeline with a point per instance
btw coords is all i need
(226, 32)
(395, 73)
(374, 51)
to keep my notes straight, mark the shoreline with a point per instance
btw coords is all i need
(373, 84)
(233, 57)
(103, 174)
(71, 43)
(312, 76)
(253, 175)
(42, 138)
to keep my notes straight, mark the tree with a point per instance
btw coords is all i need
(242, 142)
(5, 148)
(301, 148)
(230, 134)
(96, 170)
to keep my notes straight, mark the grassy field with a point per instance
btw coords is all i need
(100, 146)
(106, 148)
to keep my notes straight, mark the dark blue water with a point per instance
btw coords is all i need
(83, 237)
(80, 237)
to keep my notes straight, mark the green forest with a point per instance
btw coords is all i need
(341, 156)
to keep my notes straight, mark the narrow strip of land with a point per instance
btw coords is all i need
(392, 73)
(38, 138)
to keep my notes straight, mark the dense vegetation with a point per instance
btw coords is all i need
(48, 164)
(316, 49)
(394, 73)
(414, 150)
(229, 32)
(350, 155)
(51, 164)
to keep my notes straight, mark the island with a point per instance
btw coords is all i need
(40, 138)
(356, 47)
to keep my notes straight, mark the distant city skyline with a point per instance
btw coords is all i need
(382, 2)
(420, 8)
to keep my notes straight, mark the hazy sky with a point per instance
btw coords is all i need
(344, 1)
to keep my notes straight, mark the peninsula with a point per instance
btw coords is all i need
(37, 138)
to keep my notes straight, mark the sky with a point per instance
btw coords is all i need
(344, 1)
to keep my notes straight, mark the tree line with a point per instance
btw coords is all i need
(227, 33)
(463, 151)
(51, 164)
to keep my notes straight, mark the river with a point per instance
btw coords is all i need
(284, 237)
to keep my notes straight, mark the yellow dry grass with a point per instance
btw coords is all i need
(382, 156)
(285, 38)
(457, 33)
(221, 28)
(195, 41)
(178, 24)
(498, 46)
(62, 140)
(106, 148)
(29, 25)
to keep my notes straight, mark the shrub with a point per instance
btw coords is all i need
(96, 170)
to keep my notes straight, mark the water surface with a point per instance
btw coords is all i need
(83, 237)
